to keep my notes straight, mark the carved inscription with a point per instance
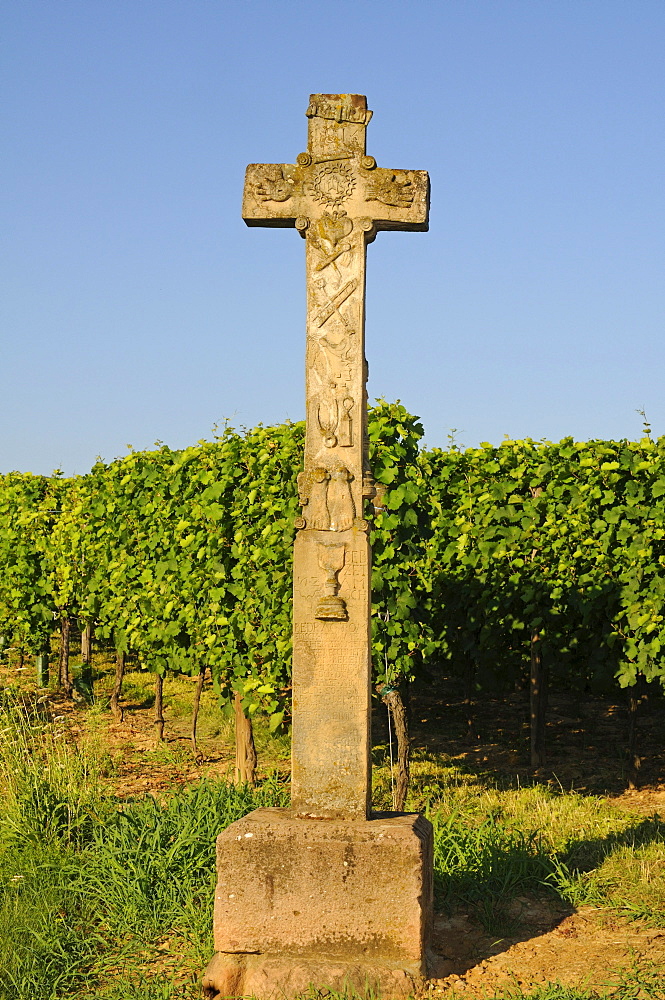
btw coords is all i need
(342, 111)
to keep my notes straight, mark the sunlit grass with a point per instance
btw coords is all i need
(97, 896)
(86, 885)
(493, 843)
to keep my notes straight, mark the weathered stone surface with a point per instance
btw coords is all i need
(279, 976)
(331, 680)
(338, 199)
(298, 899)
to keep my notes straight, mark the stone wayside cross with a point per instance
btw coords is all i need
(325, 892)
(338, 199)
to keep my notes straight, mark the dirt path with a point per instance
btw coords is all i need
(587, 948)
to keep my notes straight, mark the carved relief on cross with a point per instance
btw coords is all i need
(338, 199)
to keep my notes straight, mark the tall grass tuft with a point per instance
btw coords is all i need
(52, 790)
(86, 882)
(151, 867)
(486, 865)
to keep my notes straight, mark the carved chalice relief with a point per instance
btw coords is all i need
(331, 560)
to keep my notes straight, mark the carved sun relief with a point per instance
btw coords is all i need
(332, 183)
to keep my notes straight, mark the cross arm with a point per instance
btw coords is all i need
(396, 199)
(279, 194)
(272, 194)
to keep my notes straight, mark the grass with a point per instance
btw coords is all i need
(90, 886)
(493, 843)
(637, 984)
(112, 899)
(213, 724)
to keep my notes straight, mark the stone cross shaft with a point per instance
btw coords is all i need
(338, 199)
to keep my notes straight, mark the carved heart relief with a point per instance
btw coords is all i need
(333, 228)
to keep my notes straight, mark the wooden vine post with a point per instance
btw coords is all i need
(537, 699)
(245, 769)
(86, 659)
(64, 675)
(116, 708)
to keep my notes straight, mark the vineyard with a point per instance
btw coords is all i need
(501, 575)
(528, 563)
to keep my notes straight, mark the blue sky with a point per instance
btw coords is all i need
(136, 306)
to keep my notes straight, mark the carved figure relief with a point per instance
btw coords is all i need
(332, 183)
(340, 500)
(313, 493)
(326, 496)
(274, 185)
(390, 187)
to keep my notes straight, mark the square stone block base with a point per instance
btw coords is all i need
(325, 903)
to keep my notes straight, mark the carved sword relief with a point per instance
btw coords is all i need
(333, 304)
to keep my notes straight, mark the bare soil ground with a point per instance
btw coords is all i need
(586, 948)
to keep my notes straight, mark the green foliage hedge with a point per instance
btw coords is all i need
(185, 557)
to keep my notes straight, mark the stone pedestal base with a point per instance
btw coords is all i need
(322, 903)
